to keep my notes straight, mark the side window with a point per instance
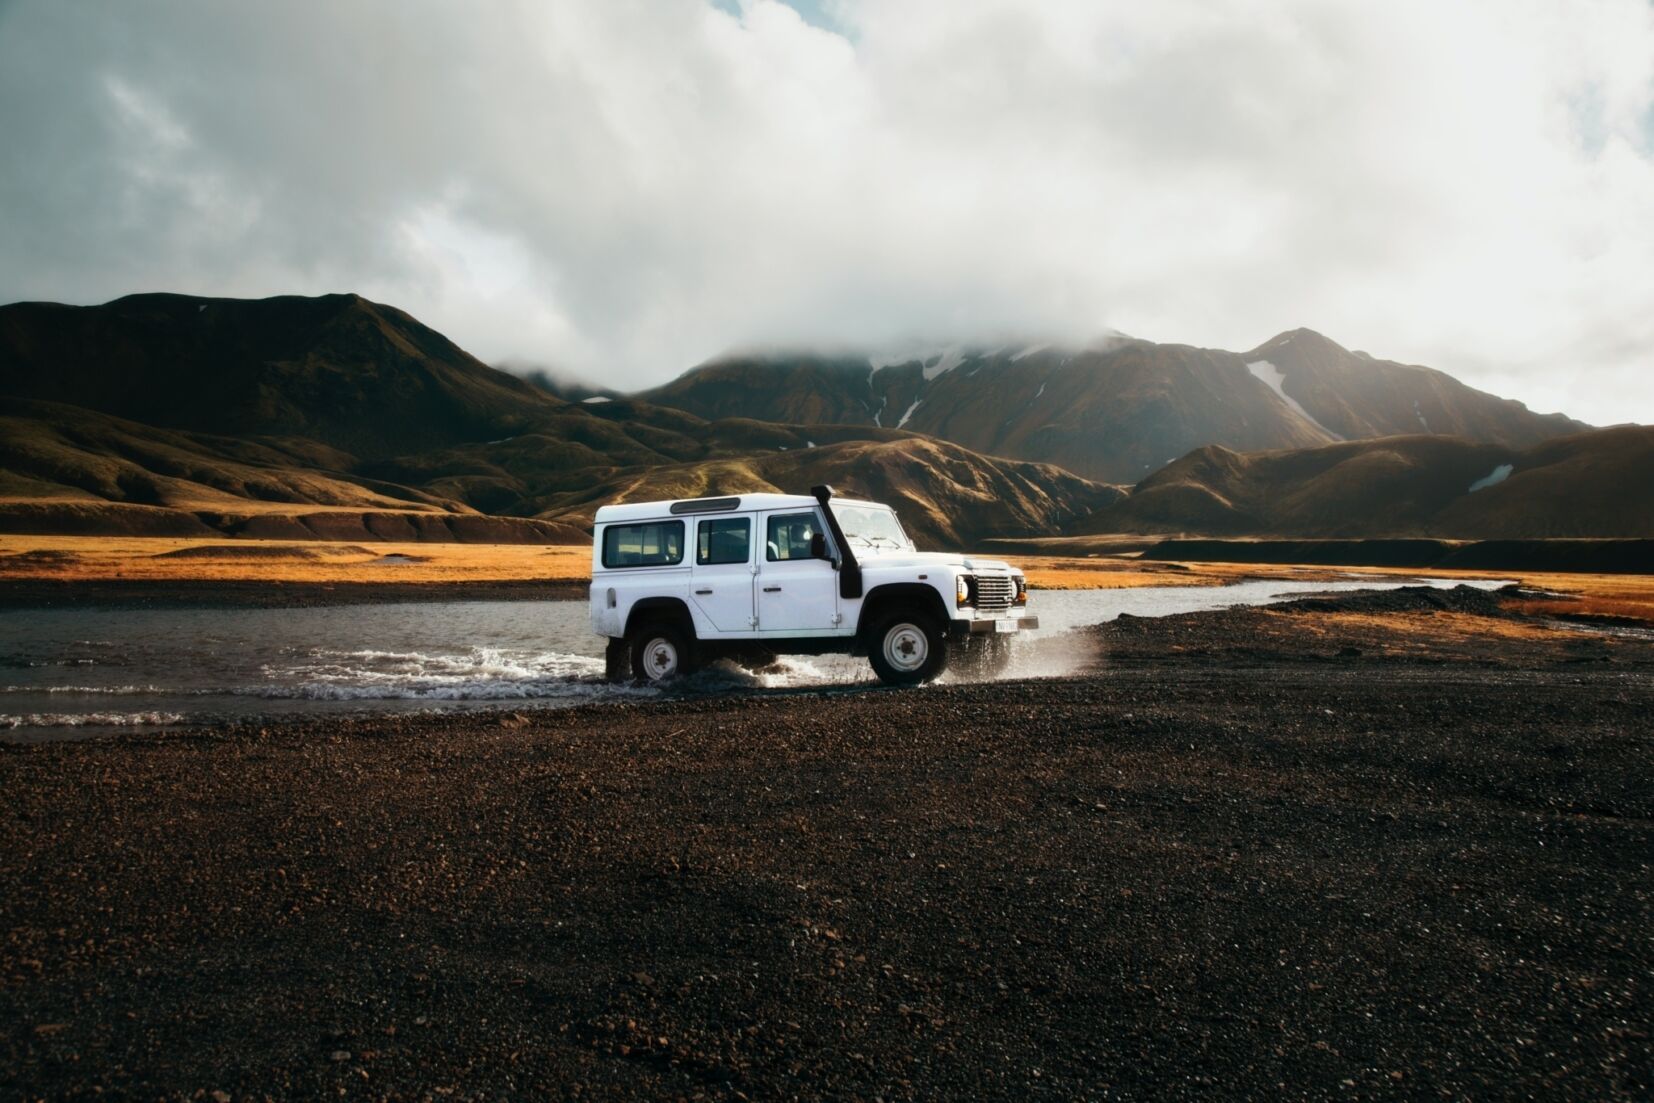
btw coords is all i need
(723, 540)
(650, 544)
(789, 536)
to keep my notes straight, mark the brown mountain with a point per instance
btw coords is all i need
(289, 416)
(1354, 397)
(1116, 410)
(338, 370)
(1596, 484)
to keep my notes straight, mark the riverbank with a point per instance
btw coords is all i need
(1246, 853)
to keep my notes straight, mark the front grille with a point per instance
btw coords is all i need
(994, 594)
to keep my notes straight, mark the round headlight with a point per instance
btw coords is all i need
(962, 589)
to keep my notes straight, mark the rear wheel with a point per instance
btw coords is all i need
(660, 653)
(908, 648)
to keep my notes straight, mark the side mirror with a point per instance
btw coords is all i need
(818, 546)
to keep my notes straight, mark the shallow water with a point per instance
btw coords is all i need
(74, 672)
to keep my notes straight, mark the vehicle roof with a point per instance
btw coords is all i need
(744, 503)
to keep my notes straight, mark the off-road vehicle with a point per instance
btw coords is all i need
(678, 584)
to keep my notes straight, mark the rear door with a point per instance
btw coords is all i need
(722, 571)
(797, 594)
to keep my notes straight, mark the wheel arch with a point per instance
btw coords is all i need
(881, 599)
(670, 609)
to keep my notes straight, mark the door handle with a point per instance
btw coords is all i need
(772, 589)
(703, 591)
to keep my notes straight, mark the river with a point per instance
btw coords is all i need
(68, 673)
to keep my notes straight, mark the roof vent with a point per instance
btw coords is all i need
(705, 505)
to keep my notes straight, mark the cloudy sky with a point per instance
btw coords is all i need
(621, 188)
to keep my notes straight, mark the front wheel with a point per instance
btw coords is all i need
(660, 653)
(908, 649)
(984, 659)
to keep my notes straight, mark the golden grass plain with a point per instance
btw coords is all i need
(102, 559)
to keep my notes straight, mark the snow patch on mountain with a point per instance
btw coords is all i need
(1030, 350)
(594, 399)
(933, 360)
(945, 361)
(909, 412)
(1273, 378)
(1493, 478)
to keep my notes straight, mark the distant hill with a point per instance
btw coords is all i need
(1117, 410)
(1597, 484)
(946, 496)
(64, 469)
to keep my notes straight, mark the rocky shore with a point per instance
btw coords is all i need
(1337, 851)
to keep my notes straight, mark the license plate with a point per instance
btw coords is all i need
(1006, 625)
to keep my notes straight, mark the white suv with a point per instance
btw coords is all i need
(678, 584)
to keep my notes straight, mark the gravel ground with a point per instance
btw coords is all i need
(1307, 873)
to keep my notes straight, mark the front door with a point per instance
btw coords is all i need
(721, 577)
(797, 593)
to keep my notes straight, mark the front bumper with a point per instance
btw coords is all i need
(991, 625)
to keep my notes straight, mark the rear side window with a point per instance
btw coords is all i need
(723, 540)
(651, 544)
(789, 536)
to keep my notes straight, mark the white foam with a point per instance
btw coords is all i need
(1273, 378)
(88, 719)
(103, 691)
(909, 412)
(478, 674)
(1493, 478)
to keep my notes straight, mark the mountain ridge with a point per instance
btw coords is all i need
(1114, 409)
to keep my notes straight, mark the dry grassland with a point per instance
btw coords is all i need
(117, 559)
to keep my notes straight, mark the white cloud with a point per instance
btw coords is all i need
(620, 189)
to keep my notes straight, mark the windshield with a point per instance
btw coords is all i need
(872, 526)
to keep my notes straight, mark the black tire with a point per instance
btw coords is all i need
(661, 652)
(617, 660)
(907, 648)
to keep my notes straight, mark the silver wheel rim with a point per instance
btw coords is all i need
(906, 647)
(660, 659)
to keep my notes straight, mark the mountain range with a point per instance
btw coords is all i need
(1115, 410)
(339, 417)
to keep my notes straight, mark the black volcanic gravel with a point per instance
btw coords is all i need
(1371, 879)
